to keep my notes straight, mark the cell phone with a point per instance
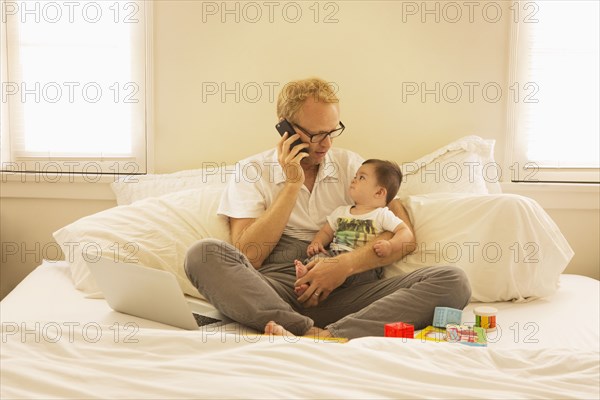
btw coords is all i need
(285, 126)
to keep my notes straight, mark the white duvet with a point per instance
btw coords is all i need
(55, 343)
(165, 364)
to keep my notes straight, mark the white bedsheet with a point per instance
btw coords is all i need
(548, 348)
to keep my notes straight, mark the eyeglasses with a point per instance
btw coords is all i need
(319, 137)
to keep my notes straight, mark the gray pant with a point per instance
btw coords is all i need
(359, 307)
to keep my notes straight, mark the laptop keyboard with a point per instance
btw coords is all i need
(204, 320)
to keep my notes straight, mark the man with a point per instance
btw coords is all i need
(275, 216)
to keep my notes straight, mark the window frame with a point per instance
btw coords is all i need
(82, 168)
(518, 168)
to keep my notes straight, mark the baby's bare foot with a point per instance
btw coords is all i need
(301, 270)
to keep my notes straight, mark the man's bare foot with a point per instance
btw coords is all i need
(273, 328)
(318, 333)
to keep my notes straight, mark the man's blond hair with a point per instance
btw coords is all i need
(293, 94)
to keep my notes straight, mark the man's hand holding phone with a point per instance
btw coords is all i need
(291, 150)
(284, 126)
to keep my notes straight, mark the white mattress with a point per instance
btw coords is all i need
(56, 343)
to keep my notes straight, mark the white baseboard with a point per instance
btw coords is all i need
(563, 196)
(71, 187)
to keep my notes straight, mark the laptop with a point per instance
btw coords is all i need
(151, 294)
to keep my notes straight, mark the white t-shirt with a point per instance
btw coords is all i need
(352, 231)
(259, 178)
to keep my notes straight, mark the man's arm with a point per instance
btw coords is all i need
(398, 209)
(256, 237)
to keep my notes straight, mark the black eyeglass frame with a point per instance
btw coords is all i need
(333, 134)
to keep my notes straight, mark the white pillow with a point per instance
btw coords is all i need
(154, 232)
(131, 188)
(464, 166)
(507, 244)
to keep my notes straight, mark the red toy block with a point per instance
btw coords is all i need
(399, 329)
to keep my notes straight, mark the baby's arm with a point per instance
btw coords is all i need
(321, 240)
(384, 248)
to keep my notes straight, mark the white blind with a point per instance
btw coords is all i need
(556, 127)
(75, 82)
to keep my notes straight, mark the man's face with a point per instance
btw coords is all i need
(317, 117)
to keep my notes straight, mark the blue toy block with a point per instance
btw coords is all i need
(443, 316)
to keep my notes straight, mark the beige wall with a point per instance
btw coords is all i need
(372, 51)
(26, 227)
(369, 54)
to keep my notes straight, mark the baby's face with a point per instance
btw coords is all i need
(364, 187)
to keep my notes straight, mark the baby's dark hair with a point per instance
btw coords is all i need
(388, 175)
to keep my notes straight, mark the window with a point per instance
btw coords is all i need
(74, 86)
(554, 83)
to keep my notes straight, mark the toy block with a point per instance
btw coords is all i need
(432, 333)
(485, 317)
(399, 329)
(473, 336)
(443, 316)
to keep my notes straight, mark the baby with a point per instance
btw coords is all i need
(376, 184)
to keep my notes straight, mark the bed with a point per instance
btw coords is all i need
(60, 339)
(56, 343)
